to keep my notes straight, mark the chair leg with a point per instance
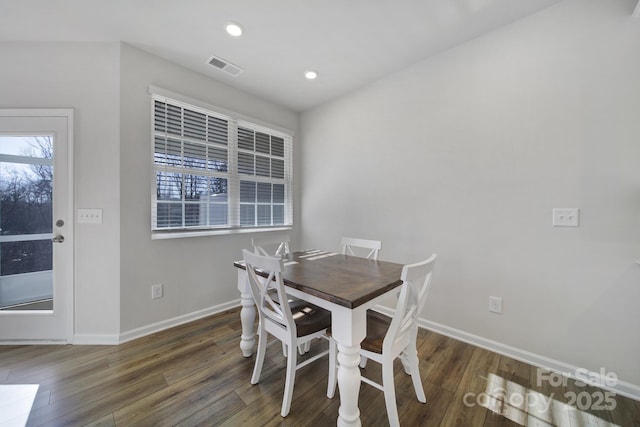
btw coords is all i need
(363, 362)
(405, 363)
(333, 368)
(414, 368)
(390, 393)
(290, 379)
(262, 349)
(304, 348)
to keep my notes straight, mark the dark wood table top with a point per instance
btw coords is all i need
(345, 280)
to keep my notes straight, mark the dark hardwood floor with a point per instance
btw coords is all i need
(194, 375)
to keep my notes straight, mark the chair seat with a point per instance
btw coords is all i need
(273, 294)
(377, 327)
(309, 318)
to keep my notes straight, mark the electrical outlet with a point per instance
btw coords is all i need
(495, 305)
(565, 217)
(156, 291)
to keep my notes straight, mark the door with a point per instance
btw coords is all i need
(36, 226)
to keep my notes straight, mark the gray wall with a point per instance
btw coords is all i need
(83, 76)
(197, 273)
(116, 262)
(465, 154)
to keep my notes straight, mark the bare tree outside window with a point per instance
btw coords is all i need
(26, 200)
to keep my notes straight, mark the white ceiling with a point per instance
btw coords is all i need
(350, 43)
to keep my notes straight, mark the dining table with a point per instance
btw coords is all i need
(345, 285)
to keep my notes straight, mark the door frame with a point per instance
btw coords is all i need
(69, 279)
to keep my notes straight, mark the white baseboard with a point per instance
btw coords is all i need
(621, 387)
(96, 339)
(170, 323)
(32, 342)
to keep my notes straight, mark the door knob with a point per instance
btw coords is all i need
(58, 239)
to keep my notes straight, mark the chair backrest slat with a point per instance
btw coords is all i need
(416, 279)
(279, 311)
(278, 240)
(374, 246)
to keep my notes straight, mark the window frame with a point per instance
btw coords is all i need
(283, 182)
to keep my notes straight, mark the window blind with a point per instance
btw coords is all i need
(264, 173)
(215, 171)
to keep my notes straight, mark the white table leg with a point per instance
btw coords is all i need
(247, 315)
(349, 385)
(348, 336)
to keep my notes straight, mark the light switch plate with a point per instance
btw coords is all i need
(566, 217)
(89, 216)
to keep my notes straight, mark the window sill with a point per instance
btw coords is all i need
(200, 233)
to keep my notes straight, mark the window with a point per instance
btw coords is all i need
(216, 171)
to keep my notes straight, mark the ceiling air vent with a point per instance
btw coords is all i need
(225, 66)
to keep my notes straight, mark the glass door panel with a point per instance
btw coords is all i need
(26, 222)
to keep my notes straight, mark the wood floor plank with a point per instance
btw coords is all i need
(135, 366)
(47, 364)
(431, 413)
(195, 375)
(86, 407)
(450, 365)
(194, 392)
(106, 421)
(62, 374)
(465, 408)
(586, 399)
(495, 419)
(432, 347)
(626, 412)
(215, 414)
(514, 371)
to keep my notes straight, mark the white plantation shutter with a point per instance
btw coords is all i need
(213, 171)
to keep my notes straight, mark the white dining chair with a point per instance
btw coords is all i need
(351, 243)
(276, 244)
(391, 337)
(354, 246)
(294, 323)
(273, 244)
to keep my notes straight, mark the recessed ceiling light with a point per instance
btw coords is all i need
(234, 29)
(310, 74)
